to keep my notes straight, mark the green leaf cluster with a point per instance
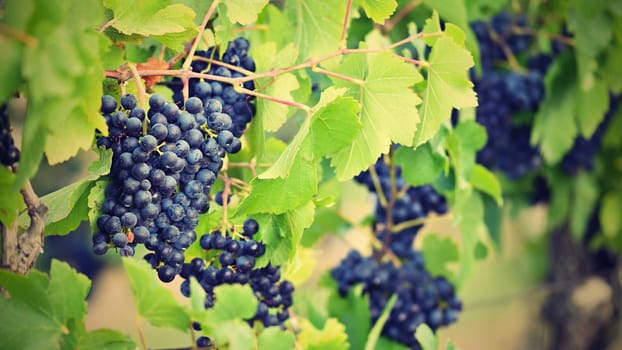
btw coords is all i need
(52, 308)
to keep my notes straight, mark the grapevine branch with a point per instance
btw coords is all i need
(124, 74)
(20, 253)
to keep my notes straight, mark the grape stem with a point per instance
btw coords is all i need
(344, 30)
(140, 86)
(107, 25)
(376, 181)
(416, 222)
(337, 75)
(141, 336)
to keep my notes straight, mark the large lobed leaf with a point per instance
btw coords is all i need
(388, 108)
(43, 311)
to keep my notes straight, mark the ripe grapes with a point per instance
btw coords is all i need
(164, 163)
(232, 261)
(421, 298)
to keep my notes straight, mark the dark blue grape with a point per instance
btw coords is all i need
(108, 104)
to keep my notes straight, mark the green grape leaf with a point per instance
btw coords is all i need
(331, 337)
(378, 10)
(554, 126)
(154, 301)
(382, 84)
(68, 207)
(67, 292)
(438, 252)
(279, 195)
(330, 127)
(419, 166)
(484, 180)
(609, 214)
(72, 133)
(275, 114)
(334, 125)
(24, 323)
(244, 11)
(11, 200)
(282, 233)
(275, 339)
(462, 144)
(234, 302)
(318, 25)
(469, 218)
(150, 17)
(267, 57)
(28, 290)
(106, 339)
(385, 343)
(235, 335)
(426, 338)
(50, 309)
(448, 86)
(372, 338)
(432, 25)
(64, 72)
(455, 12)
(353, 312)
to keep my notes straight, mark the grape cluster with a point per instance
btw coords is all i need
(420, 297)
(504, 97)
(413, 203)
(9, 154)
(232, 261)
(164, 164)
(231, 102)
